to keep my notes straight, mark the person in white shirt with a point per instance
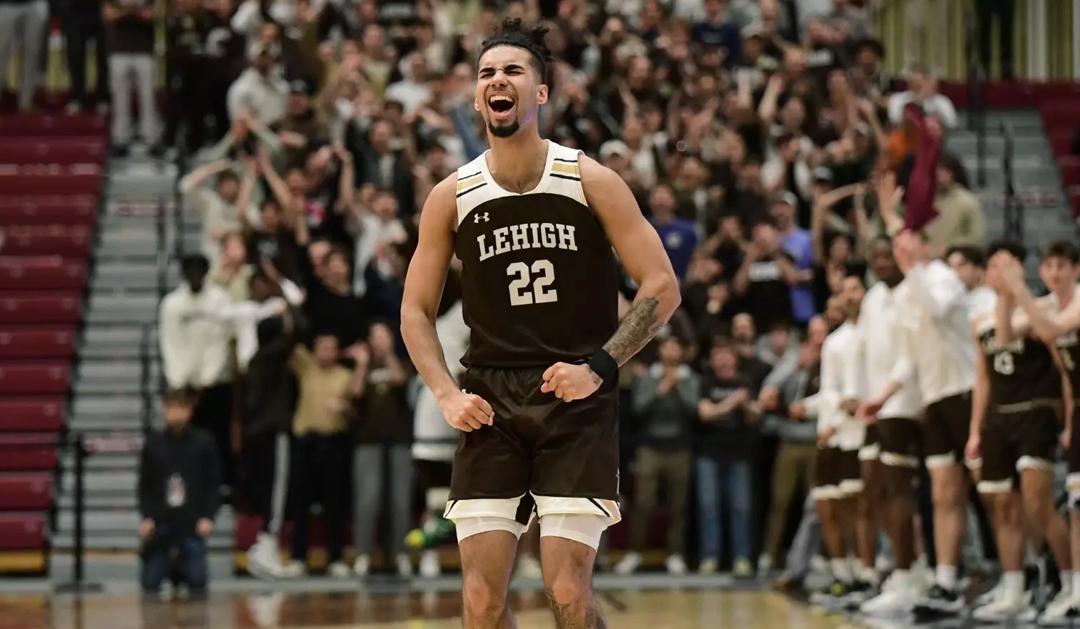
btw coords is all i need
(195, 351)
(261, 88)
(922, 90)
(850, 506)
(827, 492)
(1055, 319)
(935, 345)
(894, 412)
(969, 263)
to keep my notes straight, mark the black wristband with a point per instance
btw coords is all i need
(604, 366)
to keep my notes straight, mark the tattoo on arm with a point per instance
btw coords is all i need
(637, 327)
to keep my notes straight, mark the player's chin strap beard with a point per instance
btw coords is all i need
(503, 132)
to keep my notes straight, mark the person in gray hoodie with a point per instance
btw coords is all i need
(665, 399)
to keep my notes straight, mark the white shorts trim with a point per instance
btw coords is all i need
(850, 486)
(1033, 463)
(871, 452)
(468, 526)
(579, 527)
(898, 460)
(973, 464)
(938, 461)
(994, 486)
(608, 510)
(1072, 481)
(507, 508)
(482, 507)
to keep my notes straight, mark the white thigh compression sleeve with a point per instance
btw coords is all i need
(469, 526)
(580, 527)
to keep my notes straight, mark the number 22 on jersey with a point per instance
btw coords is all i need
(532, 285)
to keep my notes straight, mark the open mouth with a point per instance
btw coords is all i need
(501, 104)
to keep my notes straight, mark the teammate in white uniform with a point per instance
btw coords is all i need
(935, 345)
(831, 471)
(894, 409)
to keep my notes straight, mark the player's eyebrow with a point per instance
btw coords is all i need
(507, 68)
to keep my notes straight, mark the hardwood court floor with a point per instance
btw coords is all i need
(656, 609)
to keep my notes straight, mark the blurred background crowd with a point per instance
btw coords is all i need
(762, 138)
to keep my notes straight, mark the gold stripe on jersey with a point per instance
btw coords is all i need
(469, 182)
(564, 168)
(562, 176)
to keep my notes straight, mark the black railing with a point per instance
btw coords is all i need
(146, 389)
(1013, 204)
(976, 81)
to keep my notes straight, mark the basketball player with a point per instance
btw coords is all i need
(1055, 319)
(969, 263)
(847, 505)
(935, 345)
(1015, 429)
(892, 408)
(827, 493)
(533, 224)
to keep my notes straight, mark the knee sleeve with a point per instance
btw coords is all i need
(469, 526)
(579, 527)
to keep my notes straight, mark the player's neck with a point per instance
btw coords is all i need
(517, 162)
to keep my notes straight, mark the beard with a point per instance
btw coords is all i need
(504, 131)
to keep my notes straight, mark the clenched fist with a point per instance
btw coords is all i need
(570, 382)
(466, 411)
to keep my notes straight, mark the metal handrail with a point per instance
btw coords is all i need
(1013, 204)
(976, 95)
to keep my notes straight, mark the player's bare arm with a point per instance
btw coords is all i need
(1036, 317)
(419, 306)
(642, 254)
(980, 399)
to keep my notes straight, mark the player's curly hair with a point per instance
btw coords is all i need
(531, 38)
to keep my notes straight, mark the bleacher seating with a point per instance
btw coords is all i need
(50, 181)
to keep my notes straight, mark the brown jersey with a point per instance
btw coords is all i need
(539, 281)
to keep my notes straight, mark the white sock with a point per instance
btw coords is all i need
(1066, 580)
(946, 577)
(841, 570)
(868, 575)
(1012, 585)
(1076, 584)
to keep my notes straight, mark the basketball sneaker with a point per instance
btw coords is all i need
(262, 558)
(628, 564)
(941, 600)
(1062, 611)
(338, 570)
(1006, 608)
(429, 564)
(675, 565)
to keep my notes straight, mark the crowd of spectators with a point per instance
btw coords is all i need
(761, 137)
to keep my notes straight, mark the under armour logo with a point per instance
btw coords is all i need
(481, 218)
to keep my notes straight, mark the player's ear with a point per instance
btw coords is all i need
(542, 94)
(476, 104)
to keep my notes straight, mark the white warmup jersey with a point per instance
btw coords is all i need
(840, 380)
(879, 346)
(934, 333)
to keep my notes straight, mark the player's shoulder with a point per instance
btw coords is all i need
(441, 203)
(594, 174)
